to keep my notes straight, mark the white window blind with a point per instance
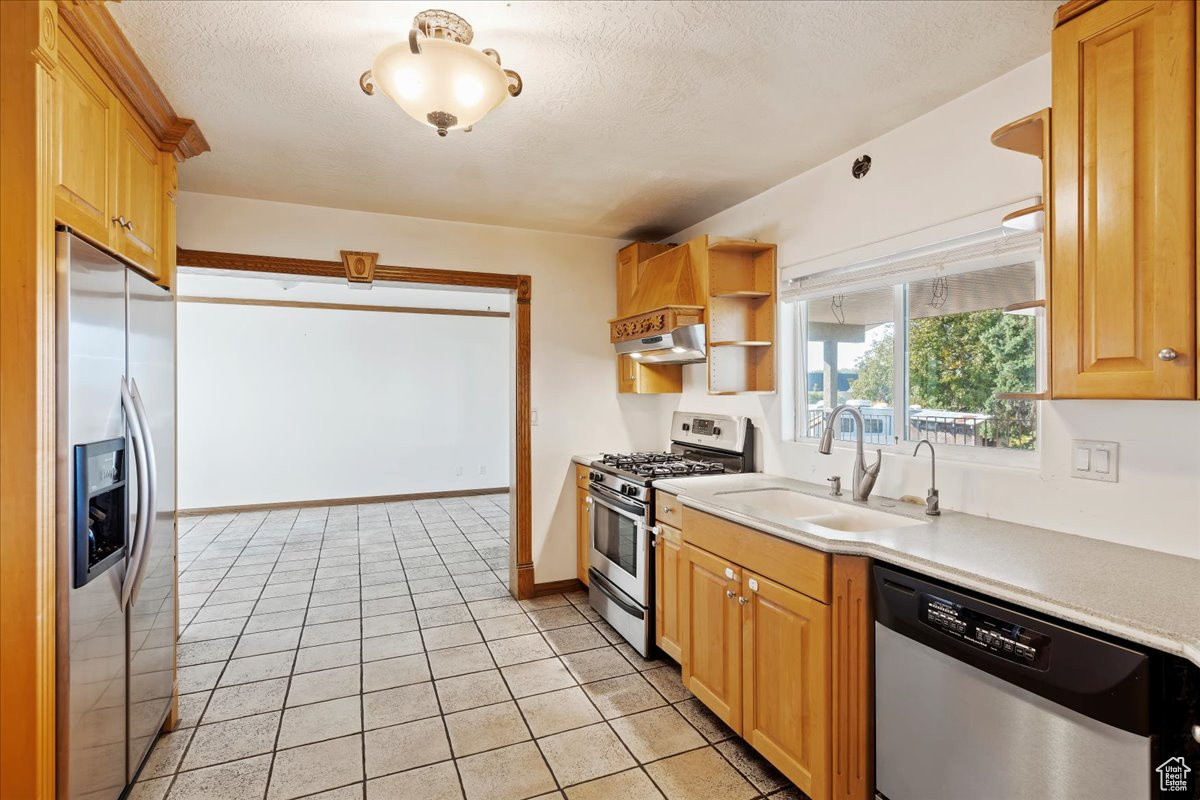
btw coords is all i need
(993, 248)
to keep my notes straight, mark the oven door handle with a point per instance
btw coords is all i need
(640, 519)
(606, 588)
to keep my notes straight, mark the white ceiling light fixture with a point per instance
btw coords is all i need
(437, 78)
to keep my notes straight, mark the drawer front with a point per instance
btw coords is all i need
(792, 565)
(668, 509)
(581, 476)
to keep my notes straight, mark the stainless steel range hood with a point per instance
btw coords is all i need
(683, 345)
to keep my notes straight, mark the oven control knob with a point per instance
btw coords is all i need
(686, 427)
(716, 431)
(595, 476)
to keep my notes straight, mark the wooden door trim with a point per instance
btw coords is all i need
(520, 573)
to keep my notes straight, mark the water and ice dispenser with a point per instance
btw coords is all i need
(99, 534)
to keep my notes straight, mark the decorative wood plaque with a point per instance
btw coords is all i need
(658, 321)
(360, 266)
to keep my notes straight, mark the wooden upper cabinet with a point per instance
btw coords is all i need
(712, 633)
(167, 251)
(785, 677)
(88, 116)
(1123, 282)
(139, 195)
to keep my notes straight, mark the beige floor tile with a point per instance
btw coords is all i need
(575, 638)
(545, 601)
(391, 645)
(256, 644)
(470, 691)
(327, 684)
(504, 627)
(700, 775)
(327, 720)
(510, 773)
(167, 752)
(536, 677)
(596, 665)
(435, 782)
(756, 768)
(630, 785)
(401, 704)
(153, 789)
(191, 706)
(657, 733)
(668, 682)
(703, 720)
(355, 792)
(328, 656)
(559, 711)
(486, 609)
(619, 697)
(316, 767)
(232, 739)
(585, 754)
(246, 699)
(401, 747)
(518, 649)
(460, 660)
(384, 624)
(447, 636)
(395, 672)
(237, 780)
(330, 632)
(485, 728)
(548, 618)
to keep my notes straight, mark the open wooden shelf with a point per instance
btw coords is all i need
(1026, 219)
(718, 245)
(1027, 135)
(743, 293)
(741, 316)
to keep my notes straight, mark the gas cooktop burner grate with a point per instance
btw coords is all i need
(678, 468)
(629, 460)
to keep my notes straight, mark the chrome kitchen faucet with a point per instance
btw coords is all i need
(864, 476)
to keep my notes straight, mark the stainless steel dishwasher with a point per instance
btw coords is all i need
(975, 699)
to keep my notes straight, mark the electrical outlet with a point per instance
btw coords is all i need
(533, 417)
(458, 471)
(482, 470)
(1095, 460)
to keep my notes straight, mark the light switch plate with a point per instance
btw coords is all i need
(1095, 460)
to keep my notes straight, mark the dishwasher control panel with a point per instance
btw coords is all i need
(1007, 640)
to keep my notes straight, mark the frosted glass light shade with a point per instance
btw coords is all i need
(446, 86)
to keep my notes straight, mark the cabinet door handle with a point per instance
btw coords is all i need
(128, 224)
(119, 220)
(1167, 354)
(753, 585)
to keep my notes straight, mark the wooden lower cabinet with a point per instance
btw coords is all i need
(712, 633)
(668, 557)
(785, 681)
(789, 673)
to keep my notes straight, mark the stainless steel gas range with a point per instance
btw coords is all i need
(621, 501)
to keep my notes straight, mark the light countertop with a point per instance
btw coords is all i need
(1145, 596)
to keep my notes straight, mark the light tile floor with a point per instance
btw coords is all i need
(373, 652)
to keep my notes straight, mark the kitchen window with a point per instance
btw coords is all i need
(922, 345)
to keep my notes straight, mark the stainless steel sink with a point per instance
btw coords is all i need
(830, 514)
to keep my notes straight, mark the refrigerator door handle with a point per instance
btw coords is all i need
(143, 481)
(139, 569)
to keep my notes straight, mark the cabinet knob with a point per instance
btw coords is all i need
(1196, 733)
(128, 224)
(1167, 354)
(741, 600)
(119, 220)
(730, 594)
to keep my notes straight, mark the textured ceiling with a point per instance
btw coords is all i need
(637, 118)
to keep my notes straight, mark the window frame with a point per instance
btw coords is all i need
(1000, 456)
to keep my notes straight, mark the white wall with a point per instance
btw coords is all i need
(938, 168)
(280, 404)
(573, 372)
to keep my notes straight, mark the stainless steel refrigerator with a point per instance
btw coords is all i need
(115, 518)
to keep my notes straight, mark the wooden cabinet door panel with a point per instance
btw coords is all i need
(1123, 276)
(139, 195)
(712, 634)
(84, 164)
(667, 558)
(583, 519)
(785, 696)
